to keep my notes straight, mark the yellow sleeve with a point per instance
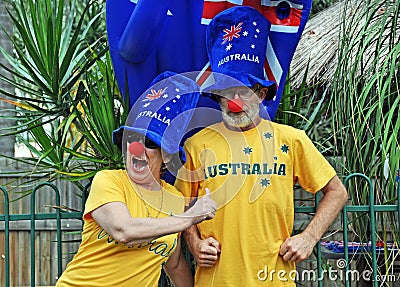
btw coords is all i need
(311, 169)
(190, 175)
(105, 188)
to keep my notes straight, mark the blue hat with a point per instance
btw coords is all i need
(236, 41)
(163, 112)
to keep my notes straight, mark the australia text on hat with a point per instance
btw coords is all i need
(155, 115)
(239, 57)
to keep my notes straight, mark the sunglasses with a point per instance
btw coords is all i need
(148, 143)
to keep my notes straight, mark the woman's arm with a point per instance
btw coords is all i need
(177, 268)
(115, 218)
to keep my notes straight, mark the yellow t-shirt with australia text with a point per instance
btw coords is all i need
(100, 260)
(251, 176)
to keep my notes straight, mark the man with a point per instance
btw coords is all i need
(251, 165)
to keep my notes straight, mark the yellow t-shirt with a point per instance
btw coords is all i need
(100, 260)
(251, 176)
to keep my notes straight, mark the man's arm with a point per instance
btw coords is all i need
(178, 269)
(300, 246)
(204, 251)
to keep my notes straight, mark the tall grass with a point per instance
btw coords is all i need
(365, 105)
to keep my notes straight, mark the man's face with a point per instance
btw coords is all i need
(249, 116)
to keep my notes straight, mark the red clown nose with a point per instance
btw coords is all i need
(235, 106)
(136, 148)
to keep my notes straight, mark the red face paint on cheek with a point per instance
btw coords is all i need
(136, 148)
(235, 106)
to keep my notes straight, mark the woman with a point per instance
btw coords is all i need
(133, 217)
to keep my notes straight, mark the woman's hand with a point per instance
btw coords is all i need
(203, 209)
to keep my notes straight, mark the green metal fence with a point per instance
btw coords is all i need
(58, 215)
(33, 217)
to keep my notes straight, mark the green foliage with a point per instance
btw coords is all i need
(306, 108)
(66, 97)
(365, 105)
(365, 99)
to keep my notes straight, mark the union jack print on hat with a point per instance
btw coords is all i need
(236, 41)
(163, 112)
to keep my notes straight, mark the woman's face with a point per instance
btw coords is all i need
(143, 161)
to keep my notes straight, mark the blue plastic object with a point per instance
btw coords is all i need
(148, 37)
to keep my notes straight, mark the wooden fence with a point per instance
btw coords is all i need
(45, 234)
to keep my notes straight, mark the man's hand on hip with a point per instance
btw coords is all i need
(297, 248)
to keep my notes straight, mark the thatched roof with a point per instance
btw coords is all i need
(318, 47)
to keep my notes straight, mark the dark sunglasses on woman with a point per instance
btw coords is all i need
(135, 137)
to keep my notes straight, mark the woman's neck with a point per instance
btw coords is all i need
(154, 186)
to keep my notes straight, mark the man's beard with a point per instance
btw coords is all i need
(243, 119)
